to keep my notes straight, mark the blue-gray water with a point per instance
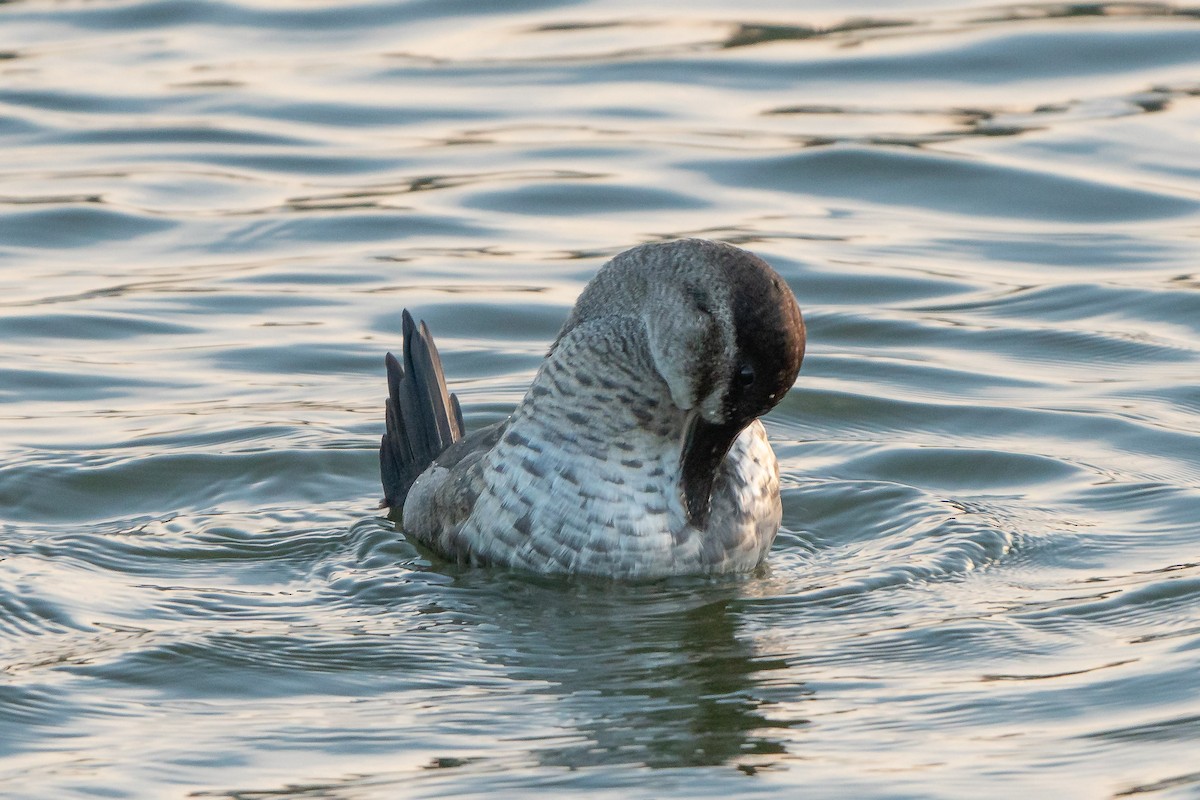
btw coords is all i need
(212, 213)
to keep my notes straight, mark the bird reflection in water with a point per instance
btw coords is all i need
(657, 676)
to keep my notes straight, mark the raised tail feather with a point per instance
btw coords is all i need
(423, 419)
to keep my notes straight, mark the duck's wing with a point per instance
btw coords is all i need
(440, 503)
(422, 418)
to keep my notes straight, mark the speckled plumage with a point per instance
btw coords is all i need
(587, 475)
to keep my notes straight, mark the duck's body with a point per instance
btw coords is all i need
(637, 451)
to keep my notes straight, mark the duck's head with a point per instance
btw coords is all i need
(725, 335)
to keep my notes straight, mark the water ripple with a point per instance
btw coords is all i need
(945, 184)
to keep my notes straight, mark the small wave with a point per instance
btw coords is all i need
(868, 536)
(76, 226)
(934, 181)
(26, 610)
(116, 486)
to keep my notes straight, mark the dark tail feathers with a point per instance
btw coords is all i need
(423, 419)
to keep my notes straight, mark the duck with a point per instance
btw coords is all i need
(637, 451)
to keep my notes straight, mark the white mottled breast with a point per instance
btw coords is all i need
(586, 477)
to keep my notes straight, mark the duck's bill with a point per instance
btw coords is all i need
(704, 448)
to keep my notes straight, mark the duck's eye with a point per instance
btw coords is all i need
(745, 375)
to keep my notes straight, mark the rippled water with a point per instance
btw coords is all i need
(212, 213)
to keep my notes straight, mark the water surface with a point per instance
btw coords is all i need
(212, 214)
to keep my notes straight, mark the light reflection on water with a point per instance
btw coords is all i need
(211, 215)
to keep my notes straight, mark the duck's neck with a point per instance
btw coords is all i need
(600, 386)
